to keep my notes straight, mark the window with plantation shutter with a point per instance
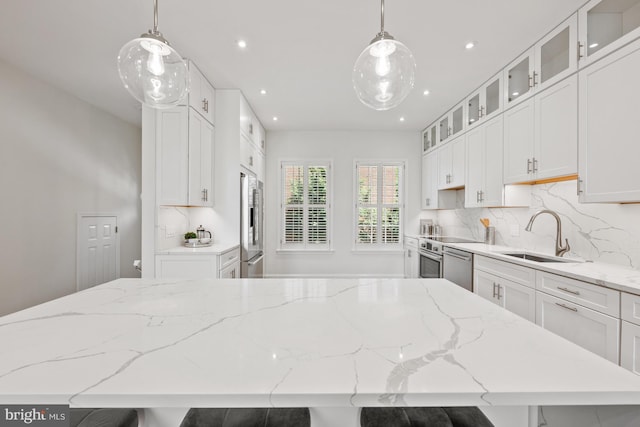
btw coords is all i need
(379, 205)
(305, 205)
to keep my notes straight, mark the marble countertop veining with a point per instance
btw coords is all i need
(293, 342)
(609, 275)
(215, 249)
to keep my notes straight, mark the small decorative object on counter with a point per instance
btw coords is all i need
(490, 235)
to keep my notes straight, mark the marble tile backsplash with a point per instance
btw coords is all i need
(607, 233)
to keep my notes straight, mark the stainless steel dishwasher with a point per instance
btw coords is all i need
(457, 267)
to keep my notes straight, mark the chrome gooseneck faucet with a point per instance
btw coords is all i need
(560, 250)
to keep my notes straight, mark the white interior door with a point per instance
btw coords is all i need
(98, 251)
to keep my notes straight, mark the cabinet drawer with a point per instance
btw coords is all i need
(630, 308)
(411, 242)
(592, 330)
(229, 257)
(586, 294)
(523, 275)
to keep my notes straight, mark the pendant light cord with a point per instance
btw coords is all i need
(381, 16)
(155, 16)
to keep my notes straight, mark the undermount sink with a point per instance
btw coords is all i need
(538, 258)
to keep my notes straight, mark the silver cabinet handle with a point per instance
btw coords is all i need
(481, 196)
(580, 55)
(251, 128)
(494, 289)
(530, 82)
(428, 202)
(499, 294)
(567, 307)
(205, 105)
(233, 273)
(528, 165)
(569, 290)
(481, 113)
(535, 78)
(250, 160)
(579, 181)
(535, 165)
(204, 195)
(477, 197)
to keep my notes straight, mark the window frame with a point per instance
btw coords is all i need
(305, 245)
(379, 246)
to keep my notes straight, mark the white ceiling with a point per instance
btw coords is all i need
(300, 51)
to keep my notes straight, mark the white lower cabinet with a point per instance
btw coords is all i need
(592, 330)
(411, 258)
(232, 271)
(630, 347)
(516, 297)
(583, 313)
(186, 266)
(196, 266)
(510, 295)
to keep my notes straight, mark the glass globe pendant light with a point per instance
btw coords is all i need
(151, 70)
(384, 73)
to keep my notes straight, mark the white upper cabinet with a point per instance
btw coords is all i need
(431, 197)
(451, 159)
(485, 102)
(549, 61)
(200, 162)
(606, 25)
(483, 176)
(540, 135)
(172, 142)
(201, 94)
(609, 128)
(185, 158)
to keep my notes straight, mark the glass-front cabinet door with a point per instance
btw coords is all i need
(426, 143)
(485, 102)
(606, 25)
(556, 56)
(457, 119)
(445, 128)
(518, 79)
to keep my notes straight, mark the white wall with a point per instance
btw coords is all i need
(58, 156)
(601, 232)
(342, 147)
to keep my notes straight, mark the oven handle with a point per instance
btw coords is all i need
(432, 257)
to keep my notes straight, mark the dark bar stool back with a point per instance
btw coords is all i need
(247, 417)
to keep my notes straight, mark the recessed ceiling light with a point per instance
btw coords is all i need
(242, 44)
(402, 119)
(470, 45)
(263, 92)
(425, 93)
(592, 45)
(275, 119)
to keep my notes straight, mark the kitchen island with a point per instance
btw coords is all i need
(336, 344)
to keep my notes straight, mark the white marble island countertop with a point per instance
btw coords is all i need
(314, 342)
